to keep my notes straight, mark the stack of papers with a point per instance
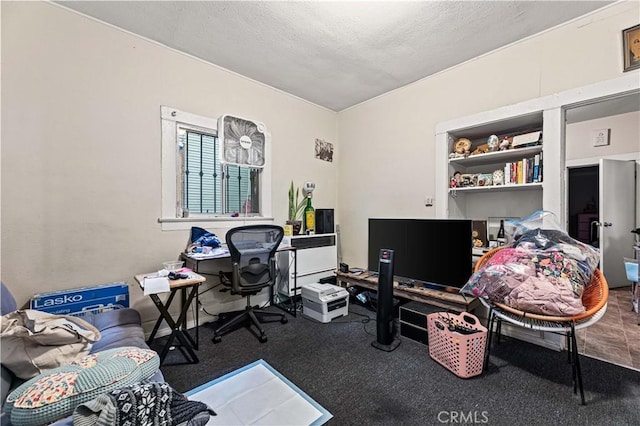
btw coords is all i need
(153, 285)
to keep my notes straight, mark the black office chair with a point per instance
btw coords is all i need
(252, 250)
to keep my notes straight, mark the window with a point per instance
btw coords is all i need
(196, 186)
(207, 185)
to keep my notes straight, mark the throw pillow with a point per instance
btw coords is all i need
(56, 393)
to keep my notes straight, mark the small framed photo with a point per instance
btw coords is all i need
(631, 48)
(324, 150)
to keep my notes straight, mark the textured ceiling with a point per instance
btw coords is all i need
(335, 54)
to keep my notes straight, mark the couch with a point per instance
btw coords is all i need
(118, 328)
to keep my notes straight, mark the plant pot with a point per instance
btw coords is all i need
(297, 226)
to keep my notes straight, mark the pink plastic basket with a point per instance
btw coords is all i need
(457, 351)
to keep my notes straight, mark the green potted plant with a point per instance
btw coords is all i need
(296, 206)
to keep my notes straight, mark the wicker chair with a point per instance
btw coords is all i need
(594, 300)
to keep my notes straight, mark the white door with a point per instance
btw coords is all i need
(617, 218)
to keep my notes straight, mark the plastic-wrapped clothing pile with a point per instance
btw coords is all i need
(542, 270)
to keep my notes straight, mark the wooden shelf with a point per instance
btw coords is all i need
(453, 301)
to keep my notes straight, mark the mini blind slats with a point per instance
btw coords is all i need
(207, 185)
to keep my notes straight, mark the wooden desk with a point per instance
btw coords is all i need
(178, 327)
(442, 299)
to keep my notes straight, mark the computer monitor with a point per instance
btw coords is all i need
(436, 252)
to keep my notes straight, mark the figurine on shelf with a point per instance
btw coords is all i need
(455, 180)
(481, 149)
(498, 177)
(493, 142)
(505, 144)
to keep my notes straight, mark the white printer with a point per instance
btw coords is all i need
(324, 302)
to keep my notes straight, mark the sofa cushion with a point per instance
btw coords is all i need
(114, 318)
(55, 393)
(7, 302)
(118, 327)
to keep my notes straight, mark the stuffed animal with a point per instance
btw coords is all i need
(481, 149)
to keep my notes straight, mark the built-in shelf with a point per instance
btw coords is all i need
(496, 157)
(496, 188)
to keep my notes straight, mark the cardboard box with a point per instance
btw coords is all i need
(83, 301)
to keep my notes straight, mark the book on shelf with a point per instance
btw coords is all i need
(540, 169)
(527, 139)
(527, 170)
(519, 173)
(536, 168)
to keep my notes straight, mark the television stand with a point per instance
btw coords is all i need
(447, 298)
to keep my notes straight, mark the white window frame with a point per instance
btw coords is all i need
(170, 219)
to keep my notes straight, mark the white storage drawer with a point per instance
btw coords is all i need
(317, 257)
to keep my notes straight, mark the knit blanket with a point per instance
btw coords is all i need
(142, 404)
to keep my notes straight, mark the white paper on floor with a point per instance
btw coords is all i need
(257, 394)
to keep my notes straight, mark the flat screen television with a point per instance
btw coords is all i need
(436, 252)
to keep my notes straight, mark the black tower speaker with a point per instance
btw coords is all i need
(384, 311)
(324, 221)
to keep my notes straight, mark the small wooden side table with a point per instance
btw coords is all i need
(188, 288)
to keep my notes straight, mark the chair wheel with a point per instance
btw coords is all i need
(216, 339)
(263, 339)
(284, 320)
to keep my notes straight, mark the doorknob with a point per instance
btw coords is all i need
(605, 224)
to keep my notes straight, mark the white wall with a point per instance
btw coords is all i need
(81, 180)
(387, 144)
(624, 143)
(624, 137)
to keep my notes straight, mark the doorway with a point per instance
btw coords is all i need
(583, 204)
(601, 212)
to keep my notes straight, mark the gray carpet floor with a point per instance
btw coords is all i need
(336, 365)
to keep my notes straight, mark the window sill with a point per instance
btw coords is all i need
(181, 223)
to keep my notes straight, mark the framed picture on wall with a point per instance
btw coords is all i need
(631, 48)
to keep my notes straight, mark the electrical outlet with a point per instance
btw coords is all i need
(428, 201)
